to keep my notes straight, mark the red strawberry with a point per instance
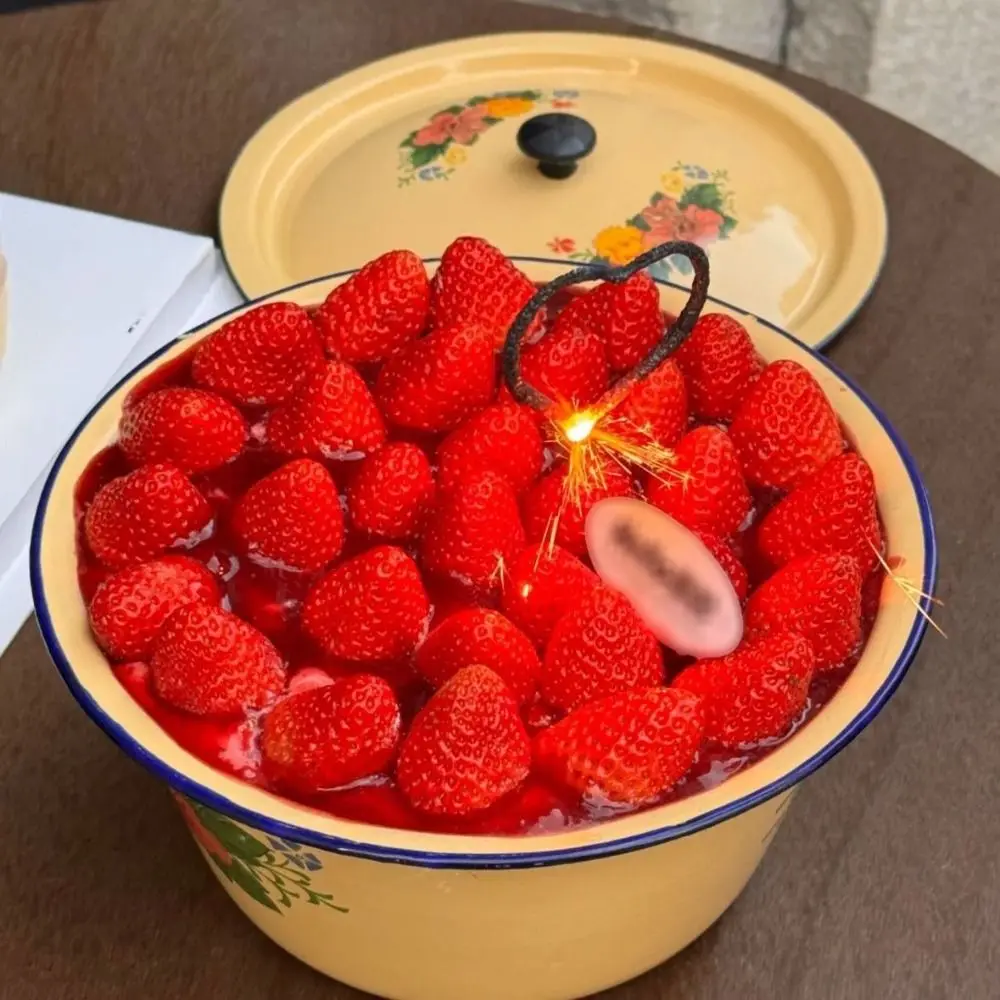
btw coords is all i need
(291, 519)
(728, 560)
(129, 608)
(372, 607)
(627, 748)
(438, 381)
(473, 528)
(333, 415)
(136, 517)
(656, 408)
(598, 648)
(502, 438)
(720, 364)
(818, 596)
(756, 692)
(392, 492)
(832, 511)
(542, 585)
(331, 735)
(478, 635)
(568, 364)
(626, 317)
(476, 284)
(262, 356)
(713, 496)
(467, 747)
(548, 499)
(632, 323)
(209, 662)
(377, 310)
(785, 429)
(190, 428)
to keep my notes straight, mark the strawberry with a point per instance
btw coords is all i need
(291, 519)
(438, 381)
(756, 692)
(392, 492)
(656, 408)
(627, 748)
(818, 596)
(713, 495)
(625, 316)
(832, 511)
(476, 284)
(501, 438)
(598, 648)
(548, 499)
(331, 735)
(190, 428)
(129, 608)
(542, 585)
(372, 607)
(262, 356)
(727, 558)
(720, 364)
(474, 532)
(333, 415)
(209, 662)
(140, 515)
(467, 747)
(632, 323)
(377, 310)
(568, 364)
(478, 635)
(785, 428)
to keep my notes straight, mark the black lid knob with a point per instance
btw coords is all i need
(558, 141)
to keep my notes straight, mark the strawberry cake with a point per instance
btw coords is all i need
(331, 554)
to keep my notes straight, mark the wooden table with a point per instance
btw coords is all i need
(885, 880)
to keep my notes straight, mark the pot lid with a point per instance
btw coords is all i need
(568, 146)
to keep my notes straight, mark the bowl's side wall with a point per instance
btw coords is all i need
(63, 619)
(546, 933)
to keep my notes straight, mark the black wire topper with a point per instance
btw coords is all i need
(674, 335)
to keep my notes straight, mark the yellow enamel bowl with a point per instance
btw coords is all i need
(419, 916)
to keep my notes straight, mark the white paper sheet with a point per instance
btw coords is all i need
(90, 297)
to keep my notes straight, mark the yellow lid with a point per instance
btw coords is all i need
(417, 149)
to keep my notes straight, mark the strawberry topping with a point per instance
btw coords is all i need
(466, 749)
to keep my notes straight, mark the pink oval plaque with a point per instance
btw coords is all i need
(674, 583)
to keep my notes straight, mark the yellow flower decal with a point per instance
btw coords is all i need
(673, 183)
(455, 156)
(508, 107)
(618, 244)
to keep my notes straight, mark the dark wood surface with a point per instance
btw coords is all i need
(884, 881)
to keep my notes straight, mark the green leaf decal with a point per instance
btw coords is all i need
(422, 155)
(704, 196)
(235, 839)
(247, 880)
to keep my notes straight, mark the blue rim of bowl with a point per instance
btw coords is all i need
(458, 860)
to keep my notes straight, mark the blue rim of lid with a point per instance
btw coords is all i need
(499, 860)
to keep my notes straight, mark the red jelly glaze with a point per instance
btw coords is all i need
(271, 601)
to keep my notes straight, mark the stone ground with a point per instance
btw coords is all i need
(932, 62)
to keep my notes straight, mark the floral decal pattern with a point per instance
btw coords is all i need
(690, 204)
(437, 148)
(273, 873)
